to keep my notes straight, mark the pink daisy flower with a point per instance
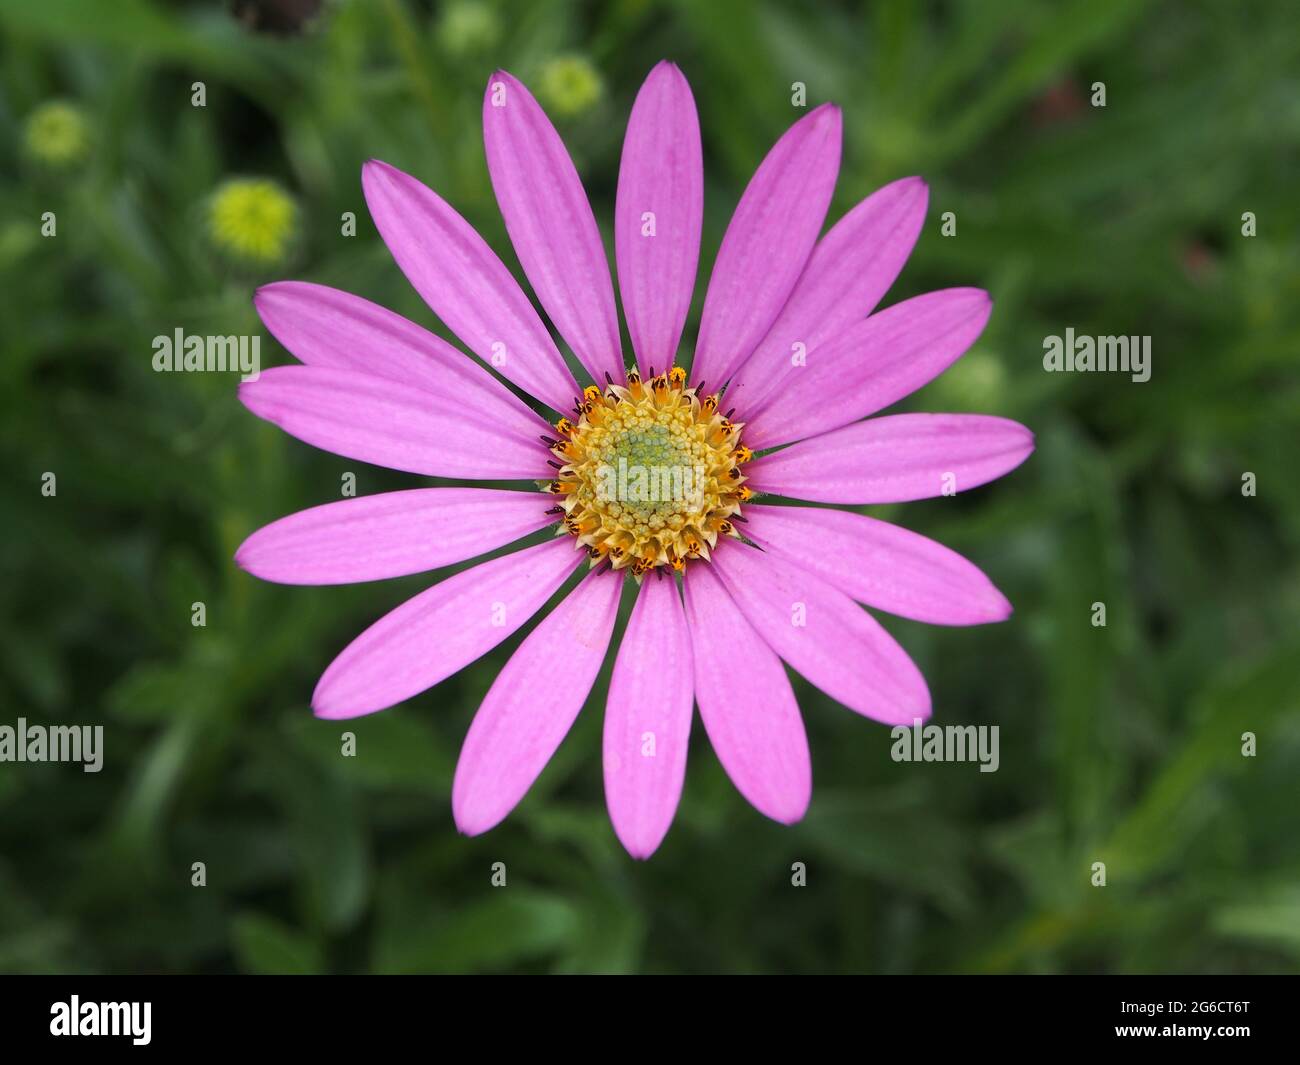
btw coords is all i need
(785, 345)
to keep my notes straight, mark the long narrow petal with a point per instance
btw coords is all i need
(392, 534)
(746, 703)
(465, 284)
(442, 630)
(532, 704)
(895, 459)
(869, 366)
(880, 564)
(824, 635)
(326, 327)
(767, 244)
(657, 215)
(648, 719)
(550, 223)
(376, 420)
(850, 270)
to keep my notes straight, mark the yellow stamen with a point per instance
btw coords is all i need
(649, 474)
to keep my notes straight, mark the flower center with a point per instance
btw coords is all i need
(650, 474)
(253, 219)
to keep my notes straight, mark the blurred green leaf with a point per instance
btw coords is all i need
(266, 946)
(513, 925)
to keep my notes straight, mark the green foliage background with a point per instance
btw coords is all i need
(1119, 744)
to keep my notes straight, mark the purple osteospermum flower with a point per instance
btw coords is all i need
(784, 327)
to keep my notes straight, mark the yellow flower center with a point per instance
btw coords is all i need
(253, 218)
(569, 85)
(57, 133)
(650, 474)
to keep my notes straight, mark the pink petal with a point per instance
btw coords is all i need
(895, 459)
(661, 174)
(869, 366)
(850, 270)
(376, 420)
(532, 704)
(880, 564)
(550, 224)
(767, 244)
(467, 286)
(825, 636)
(391, 534)
(746, 703)
(325, 327)
(442, 630)
(648, 719)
